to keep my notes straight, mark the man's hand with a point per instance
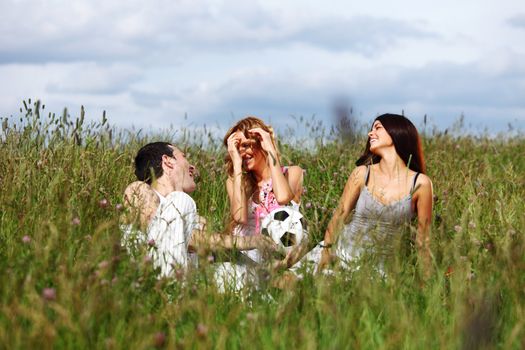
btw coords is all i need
(326, 259)
(268, 247)
(280, 265)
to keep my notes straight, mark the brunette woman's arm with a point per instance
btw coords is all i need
(424, 198)
(347, 203)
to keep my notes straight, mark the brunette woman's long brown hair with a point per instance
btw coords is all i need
(406, 142)
(248, 178)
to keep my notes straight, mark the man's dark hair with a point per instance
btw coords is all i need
(148, 162)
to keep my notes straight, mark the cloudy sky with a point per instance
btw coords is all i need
(151, 63)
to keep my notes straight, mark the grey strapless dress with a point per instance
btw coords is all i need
(375, 228)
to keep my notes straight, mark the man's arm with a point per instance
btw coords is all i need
(181, 205)
(200, 239)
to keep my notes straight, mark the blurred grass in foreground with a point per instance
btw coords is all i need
(67, 284)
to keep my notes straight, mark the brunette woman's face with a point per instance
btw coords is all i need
(379, 137)
(250, 151)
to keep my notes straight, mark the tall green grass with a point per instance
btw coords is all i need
(66, 283)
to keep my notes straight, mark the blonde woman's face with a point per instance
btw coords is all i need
(250, 151)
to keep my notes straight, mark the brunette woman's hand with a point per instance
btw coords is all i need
(233, 148)
(142, 203)
(265, 138)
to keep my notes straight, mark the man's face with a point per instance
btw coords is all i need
(183, 172)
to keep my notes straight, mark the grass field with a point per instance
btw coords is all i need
(65, 282)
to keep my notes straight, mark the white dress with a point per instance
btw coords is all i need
(248, 269)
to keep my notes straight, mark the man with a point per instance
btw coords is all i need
(167, 216)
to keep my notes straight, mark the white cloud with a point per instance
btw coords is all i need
(517, 21)
(90, 78)
(367, 35)
(150, 63)
(113, 31)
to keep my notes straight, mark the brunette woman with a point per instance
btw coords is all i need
(384, 193)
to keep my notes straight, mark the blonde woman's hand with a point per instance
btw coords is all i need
(234, 141)
(265, 138)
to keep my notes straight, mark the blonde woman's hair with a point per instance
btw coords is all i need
(248, 178)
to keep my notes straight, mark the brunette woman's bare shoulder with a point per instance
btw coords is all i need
(360, 169)
(423, 180)
(141, 201)
(423, 186)
(138, 189)
(357, 177)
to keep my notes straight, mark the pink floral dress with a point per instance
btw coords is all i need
(258, 211)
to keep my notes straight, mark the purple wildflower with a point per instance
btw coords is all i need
(49, 294)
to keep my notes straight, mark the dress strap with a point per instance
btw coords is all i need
(367, 174)
(414, 183)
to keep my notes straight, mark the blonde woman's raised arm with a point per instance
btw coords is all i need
(234, 185)
(283, 188)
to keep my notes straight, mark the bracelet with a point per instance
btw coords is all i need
(327, 246)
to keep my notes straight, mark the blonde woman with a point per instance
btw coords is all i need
(257, 182)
